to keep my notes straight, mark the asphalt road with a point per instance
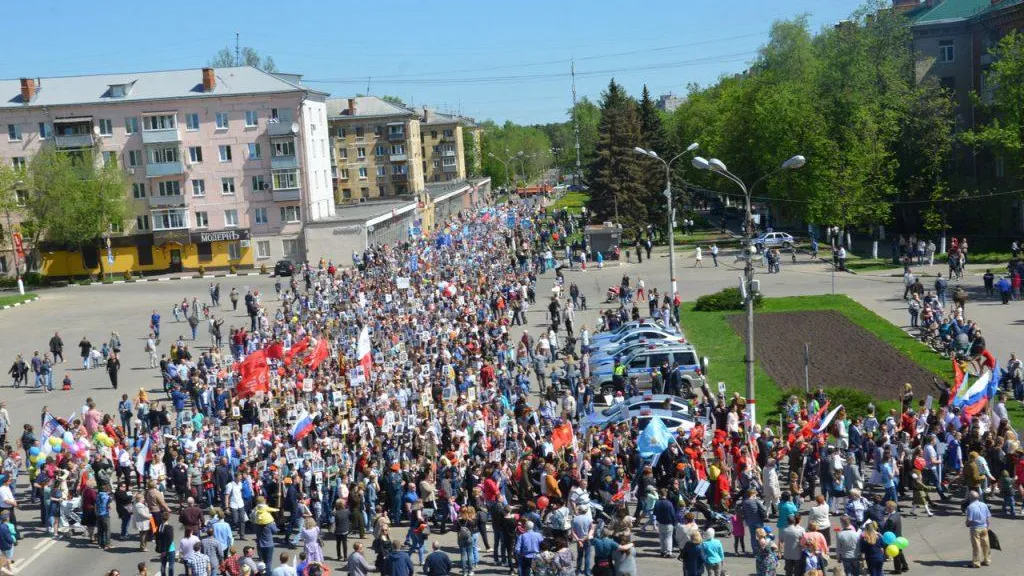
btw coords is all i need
(939, 545)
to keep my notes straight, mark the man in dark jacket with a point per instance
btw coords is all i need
(894, 523)
(437, 563)
(665, 515)
(398, 562)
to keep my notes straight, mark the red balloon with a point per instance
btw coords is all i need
(543, 502)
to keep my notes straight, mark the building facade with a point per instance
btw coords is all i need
(444, 157)
(225, 165)
(376, 150)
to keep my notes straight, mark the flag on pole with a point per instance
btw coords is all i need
(298, 348)
(654, 439)
(827, 420)
(140, 460)
(254, 375)
(319, 354)
(275, 351)
(363, 352)
(302, 428)
(562, 436)
(958, 380)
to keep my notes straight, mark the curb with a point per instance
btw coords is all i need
(170, 278)
(19, 303)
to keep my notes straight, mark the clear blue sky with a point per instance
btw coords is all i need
(487, 58)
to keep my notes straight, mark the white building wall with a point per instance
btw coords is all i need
(316, 142)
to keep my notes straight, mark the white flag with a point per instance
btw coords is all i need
(140, 461)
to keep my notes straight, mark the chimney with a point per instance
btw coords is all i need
(209, 80)
(905, 5)
(426, 114)
(28, 90)
(351, 106)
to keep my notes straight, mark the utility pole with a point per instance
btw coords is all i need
(238, 53)
(576, 124)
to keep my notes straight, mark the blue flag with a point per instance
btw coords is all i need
(654, 439)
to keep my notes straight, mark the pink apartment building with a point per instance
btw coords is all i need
(225, 164)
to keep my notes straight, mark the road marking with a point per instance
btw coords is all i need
(42, 542)
(20, 564)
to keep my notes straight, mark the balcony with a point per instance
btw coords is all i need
(74, 141)
(452, 168)
(399, 177)
(448, 153)
(164, 169)
(399, 157)
(283, 162)
(166, 136)
(282, 129)
(448, 138)
(166, 201)
(396, 136)
(291, 195)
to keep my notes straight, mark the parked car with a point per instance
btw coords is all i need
(675, 421)
(627, 349)
(284, 268)
(773, 240)
(643, 364)
(626, 327)
(648, 334)
(653, 401)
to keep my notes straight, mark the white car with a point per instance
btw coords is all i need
(774, 240)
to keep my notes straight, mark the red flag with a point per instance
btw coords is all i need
(319, 354)
(298, 348)
(275, 351)
(254, 375)
(562, 436)
(814, 420)
(958, 379)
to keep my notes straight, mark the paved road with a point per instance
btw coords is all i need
(939, 545)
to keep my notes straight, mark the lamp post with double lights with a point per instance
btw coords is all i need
(671, 208)
(749, 288)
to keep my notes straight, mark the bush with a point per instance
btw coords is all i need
(855, 401)
(263, 269)
(201, 270)
(233, 269)
(727, 299)
(128, 275)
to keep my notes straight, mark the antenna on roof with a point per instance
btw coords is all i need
(368, 79)
(238, 59)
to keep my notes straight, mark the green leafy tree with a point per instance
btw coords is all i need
(11, 179)
(225, 58)
(73, 201)
(615, 175)
(512, 152)
(1003, 132)
(653, 136)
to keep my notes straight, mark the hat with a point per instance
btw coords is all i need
(288, 480)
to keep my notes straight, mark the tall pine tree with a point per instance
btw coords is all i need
(653, 136)
(617, 191)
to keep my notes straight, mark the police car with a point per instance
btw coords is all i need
(627, 349)
(635, 403)
(643, 363)
(631, 326)
(635, 336)
(639, 418)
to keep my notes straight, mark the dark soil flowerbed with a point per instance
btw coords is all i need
(842, 354)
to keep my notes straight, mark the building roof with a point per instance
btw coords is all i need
(366, 107)
(950, 11)
(436, 117)
(161, 85)
(366, 211)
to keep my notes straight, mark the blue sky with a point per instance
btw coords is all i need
(487, 59)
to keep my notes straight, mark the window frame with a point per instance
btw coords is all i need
(198, 191)
(224, 153)
(195, 154)
(106, 126)
(14, 133)
(228, 221)
(131, 125)
(202, 219)
(225, 117)
(260, 215)
(227, 185)
(254, 116)
(947, 47)
(189, 127)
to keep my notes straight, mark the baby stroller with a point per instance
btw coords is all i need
(71, 515)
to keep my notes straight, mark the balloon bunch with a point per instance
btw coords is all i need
(66, 444)
(894, 544)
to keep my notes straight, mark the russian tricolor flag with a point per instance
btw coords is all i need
(303, 427)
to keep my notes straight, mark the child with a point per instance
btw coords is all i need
(650, 498)
(920, 497)
(67, 382)
(738, 533)
(1006, 489)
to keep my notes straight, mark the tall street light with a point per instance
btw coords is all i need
(717, 166)
(671, 208)
(503, 163)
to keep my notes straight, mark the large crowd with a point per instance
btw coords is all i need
(379, 405)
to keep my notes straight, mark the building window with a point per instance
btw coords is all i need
(263, 248)
(131, 125)
(44, 130)
(134, 157)
(169, 188)
(433, 133)
(947, 51)
(192, 122)
(254, 151)
(343, 173)
(109, 158)
(222, 120)
(251, 119)
(258, 183)
(396, 130)
(380, 150)
(202, 220)
(362, 173)
(260, 216)
(361, 153)
(284, 148)
(142, 222)
(18, 162)
(227, 185)
(224, 152)
(341, 132)
(106, 127)
(234, 250)
(449, 161)
(199, 187)
(290, 214)
(346, 193)
(282, 115)
(286, 179)
(173, 219)
(290, 248)
(159, 122)
(364, 192)
(138, 190)
(381, 171)
(195, 154)
(163, 155)
(397, 149)
(14, 133)
(21, 197)
(359, 131)
(230, 218)
(448, 133)
(437, 163)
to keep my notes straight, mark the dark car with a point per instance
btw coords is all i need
(284, 268)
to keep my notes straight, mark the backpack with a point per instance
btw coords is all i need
(465, 536)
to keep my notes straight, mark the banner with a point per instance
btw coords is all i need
(51, 428)
(140, 461)
(319, 354)
(254, 375)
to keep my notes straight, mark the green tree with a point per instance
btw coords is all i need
(225, 58)
(11, 179)
(924, 150)
(513, 152)
(654, 137)
(615, 175)
(1003, 132)
(72, 200)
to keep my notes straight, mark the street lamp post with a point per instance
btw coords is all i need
(503, 163)
(671, 207)
(717, 166)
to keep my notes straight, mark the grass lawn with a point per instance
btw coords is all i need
(716, 339)
(7, 300)
(573, 201)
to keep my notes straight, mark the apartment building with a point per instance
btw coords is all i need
(376, 147)
(443, 155)
(225, 165)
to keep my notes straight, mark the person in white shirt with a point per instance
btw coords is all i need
(233, 501)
